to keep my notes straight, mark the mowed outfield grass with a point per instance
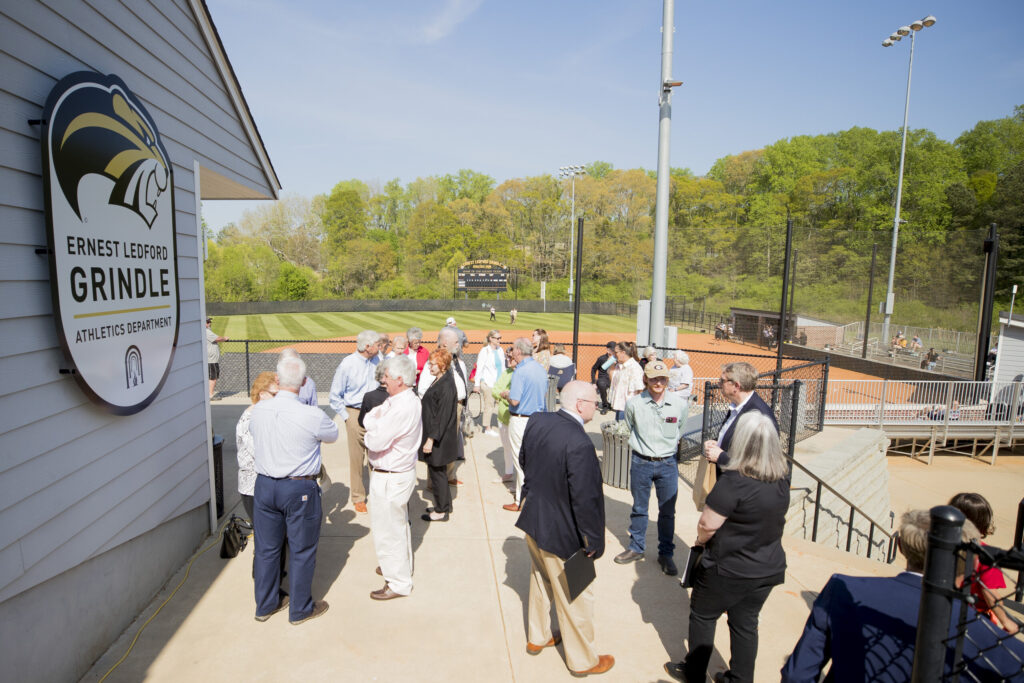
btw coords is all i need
(294, 326)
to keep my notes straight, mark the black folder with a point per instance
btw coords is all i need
(690, 568)
(579, 573)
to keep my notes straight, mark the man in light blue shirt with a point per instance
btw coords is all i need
(527, 395)
(287, 436)
(353, 378)
(656, 418)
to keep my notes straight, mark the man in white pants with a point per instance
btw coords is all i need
(394, 430)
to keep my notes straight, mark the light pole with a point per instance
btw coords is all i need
(572, 172)
(888, 42)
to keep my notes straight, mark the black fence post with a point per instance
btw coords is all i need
(791, 446)
(1018, 539)
(823, 393)
(937, 587)
(248, 379)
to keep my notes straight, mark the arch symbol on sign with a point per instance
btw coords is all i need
(133, 367)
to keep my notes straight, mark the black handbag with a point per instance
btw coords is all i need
(236, 537)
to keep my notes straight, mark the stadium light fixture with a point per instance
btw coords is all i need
(912, 30)
(572, 172)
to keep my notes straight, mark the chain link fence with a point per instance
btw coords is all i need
(969, 625)
(796, 396)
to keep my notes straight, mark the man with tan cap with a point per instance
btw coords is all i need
(656, 418)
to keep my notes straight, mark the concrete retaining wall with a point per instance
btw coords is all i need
(853, 463)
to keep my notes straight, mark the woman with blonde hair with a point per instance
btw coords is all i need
(542, 348)
(741, 531)
(264, 386)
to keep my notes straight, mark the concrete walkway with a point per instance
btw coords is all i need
(465, 619)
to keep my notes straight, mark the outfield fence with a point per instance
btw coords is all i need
(501, 305)
(243, 359)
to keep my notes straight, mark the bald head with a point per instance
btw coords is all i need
(580, 398)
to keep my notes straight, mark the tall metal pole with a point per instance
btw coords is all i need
(889, 295)
(871, 293)
(660, 271)
(792, 291)
(572, 235)
(988, 296)
(579, 296)
(785, 284)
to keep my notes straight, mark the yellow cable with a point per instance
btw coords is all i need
(195, 557)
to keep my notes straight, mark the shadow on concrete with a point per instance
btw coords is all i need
(518, 568)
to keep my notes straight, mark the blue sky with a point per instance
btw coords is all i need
(515, 88)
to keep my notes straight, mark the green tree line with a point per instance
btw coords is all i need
(726, 229)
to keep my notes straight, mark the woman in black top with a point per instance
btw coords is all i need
(440, 433)
(741, 531)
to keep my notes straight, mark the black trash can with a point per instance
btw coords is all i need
(616, 455)
(218, 472)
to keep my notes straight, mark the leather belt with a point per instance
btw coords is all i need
(377, 469)
(306, 477)
(514, 414)
(649, 459)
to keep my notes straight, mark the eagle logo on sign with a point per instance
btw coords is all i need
(108, 188)
(102, 130)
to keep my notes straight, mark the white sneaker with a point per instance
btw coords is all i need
(490, 432)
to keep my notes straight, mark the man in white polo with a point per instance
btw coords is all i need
(394, 431)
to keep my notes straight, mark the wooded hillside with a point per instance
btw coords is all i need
(727, 229)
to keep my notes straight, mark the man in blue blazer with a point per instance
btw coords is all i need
(562, 512)
(867, 626)
(738, 381)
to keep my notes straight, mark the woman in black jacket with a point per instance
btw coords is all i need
(741, 531)
(440, 433)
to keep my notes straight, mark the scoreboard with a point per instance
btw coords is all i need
(479, 276)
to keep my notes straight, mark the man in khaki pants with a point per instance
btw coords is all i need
(561, 519)
(353, 378)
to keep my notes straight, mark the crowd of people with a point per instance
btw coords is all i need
(400, 403)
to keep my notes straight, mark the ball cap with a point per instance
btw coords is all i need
(449, 321)
(610, 345)
(656, 368)
(209, 320)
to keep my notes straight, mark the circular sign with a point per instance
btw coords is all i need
(110, 220)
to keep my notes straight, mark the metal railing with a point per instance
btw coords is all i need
(890, 538)
(924, 403)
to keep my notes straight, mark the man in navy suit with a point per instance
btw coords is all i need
(738, 381)
(562, 512)
(867, 626)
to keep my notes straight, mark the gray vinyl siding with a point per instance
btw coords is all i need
(75, 481)
(1011, 352)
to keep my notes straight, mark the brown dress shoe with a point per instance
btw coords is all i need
(360, 507)
(385, 593)
(532, 649)
(319, 607)
(511, 507)
(604, 663)
(379, 572)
